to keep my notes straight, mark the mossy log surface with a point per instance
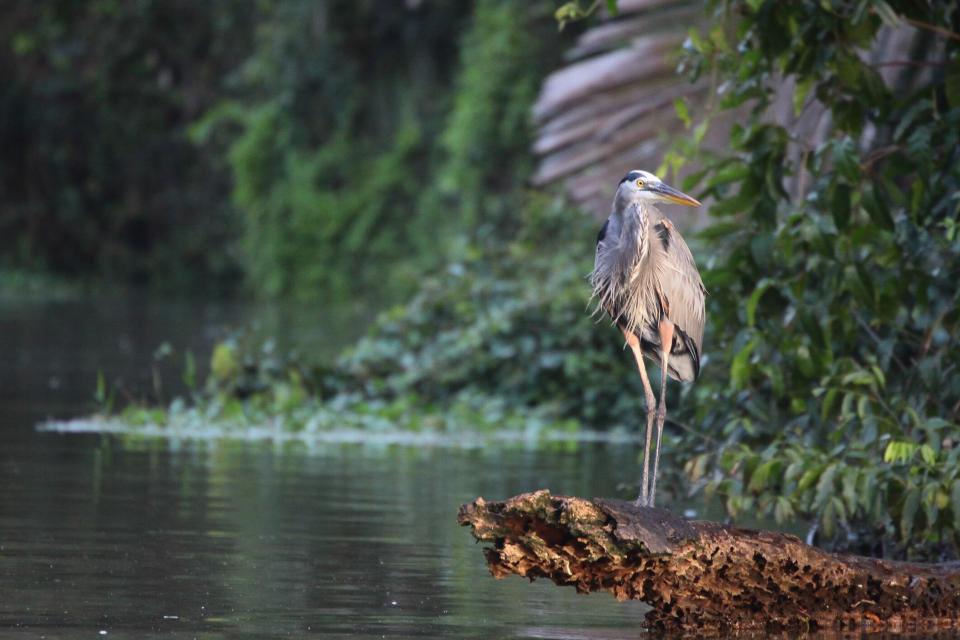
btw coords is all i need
(703, 576)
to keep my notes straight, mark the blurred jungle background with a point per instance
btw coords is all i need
(421, 182)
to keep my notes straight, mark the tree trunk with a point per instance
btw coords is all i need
(704, 576)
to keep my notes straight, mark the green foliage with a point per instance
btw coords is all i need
(328, 140)
(223, 363)
(103, 397)
(497, 342)
(97, 174)
(316, 148)
(833, 384)
(21, 283)
(509, 322)
(504, 56)
(830, 389)
(574, 11)
(348, 170)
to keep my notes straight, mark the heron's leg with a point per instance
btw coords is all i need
(634, 343)
(666, 343)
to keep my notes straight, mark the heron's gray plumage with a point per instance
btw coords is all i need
(640, 258)
(645, 278)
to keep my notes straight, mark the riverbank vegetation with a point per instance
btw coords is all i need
(834, 310)
(830, 393)
(270, 146)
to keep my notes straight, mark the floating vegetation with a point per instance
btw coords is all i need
(181, 428)
(481, 354)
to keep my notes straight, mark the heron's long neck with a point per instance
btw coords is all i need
(635, 226)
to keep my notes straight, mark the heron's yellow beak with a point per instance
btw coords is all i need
(674, 196)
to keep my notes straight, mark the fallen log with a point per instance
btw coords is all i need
(705, 576)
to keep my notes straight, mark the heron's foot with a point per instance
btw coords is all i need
(644, 500)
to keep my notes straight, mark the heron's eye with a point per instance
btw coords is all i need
(640, 183)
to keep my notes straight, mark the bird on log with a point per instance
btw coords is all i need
(646, 280)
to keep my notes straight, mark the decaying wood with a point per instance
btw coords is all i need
(704, 576)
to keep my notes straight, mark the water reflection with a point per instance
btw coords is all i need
(52, 350)
(227, 538)
(126, 536)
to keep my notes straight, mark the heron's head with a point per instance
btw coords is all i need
(643, 186)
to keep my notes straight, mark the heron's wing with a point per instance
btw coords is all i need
(680, 283)
(604, 276)
(603, 232)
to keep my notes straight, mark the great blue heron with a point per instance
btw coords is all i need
(645, 278)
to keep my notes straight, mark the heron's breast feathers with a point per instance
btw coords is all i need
(638, 286)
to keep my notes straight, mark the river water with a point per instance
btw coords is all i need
(106, 536)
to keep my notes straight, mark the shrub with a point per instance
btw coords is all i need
(834, 311)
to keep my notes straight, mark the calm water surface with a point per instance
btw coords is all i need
(123, 537)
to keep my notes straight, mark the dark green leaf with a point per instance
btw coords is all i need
(911, 505)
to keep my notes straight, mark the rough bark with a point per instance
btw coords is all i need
(706, 577)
